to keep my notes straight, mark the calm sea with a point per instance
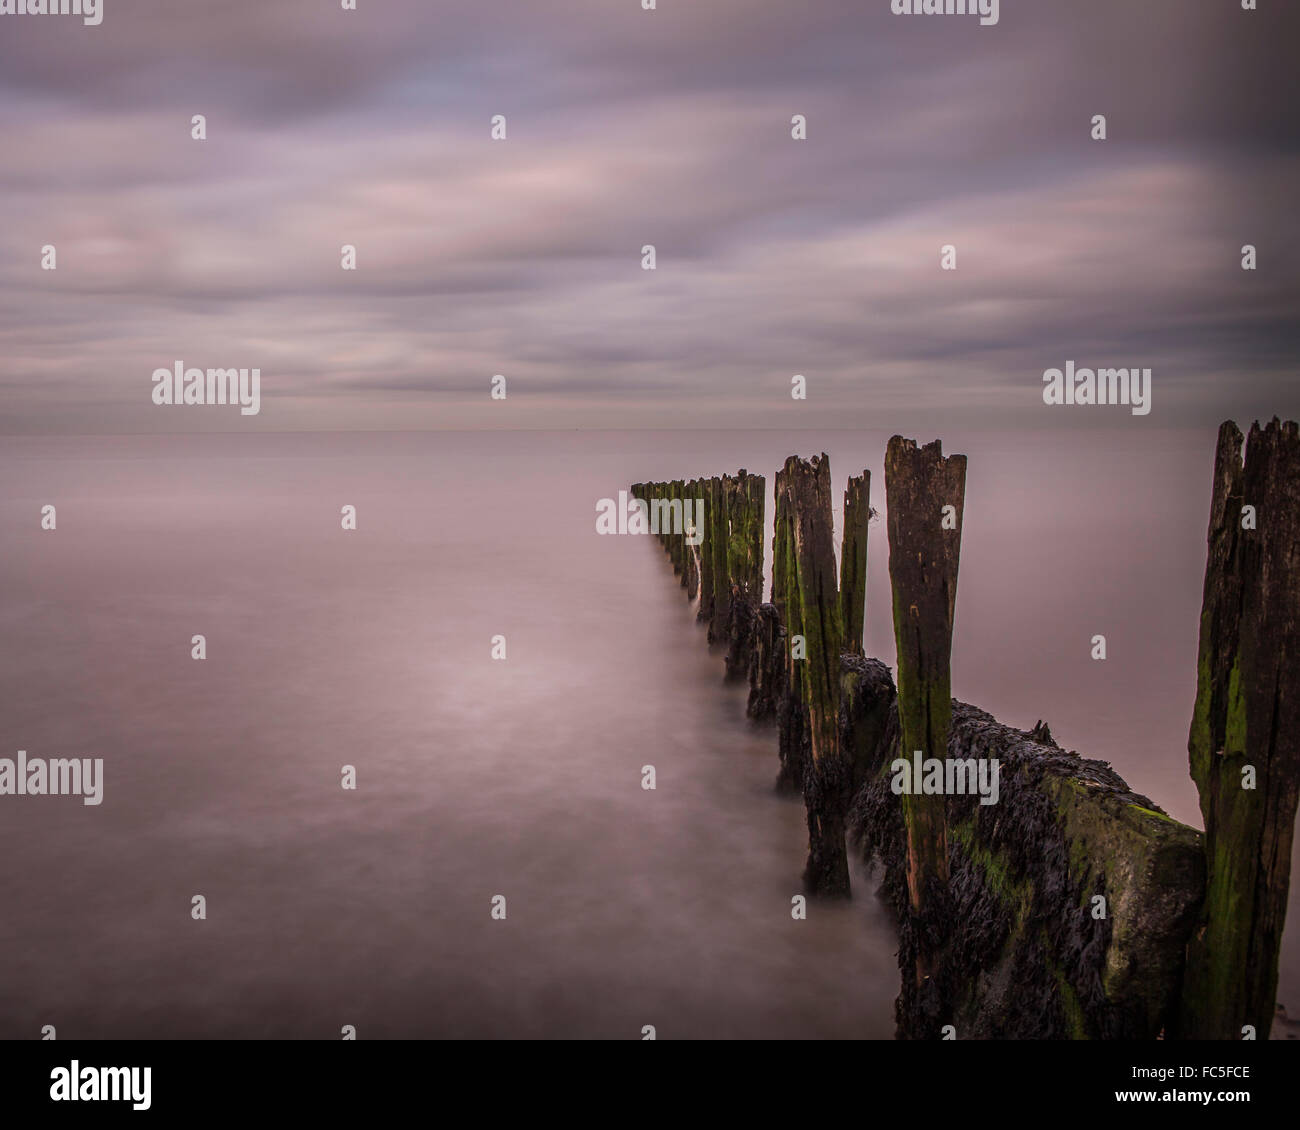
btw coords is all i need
(480, 777)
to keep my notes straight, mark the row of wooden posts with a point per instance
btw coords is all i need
(792, 649)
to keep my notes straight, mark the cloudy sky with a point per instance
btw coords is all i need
(626, 127)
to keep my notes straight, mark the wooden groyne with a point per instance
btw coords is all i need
(1038, 896)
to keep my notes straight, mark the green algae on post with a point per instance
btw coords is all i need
(1244, 743)
(925, 494)
(853, 560)
(812, 588)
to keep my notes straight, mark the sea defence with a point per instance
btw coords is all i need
(1038, 896)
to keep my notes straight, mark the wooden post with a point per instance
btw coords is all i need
(747, 535)
(853, 561)
(690, 553)
(827, 776)
(745, 565)
(925, 494)
(718, 540)
(705, 550)
(768, 670)
(791, 714)
(675, 538)
(780, 534)
(1244, 744)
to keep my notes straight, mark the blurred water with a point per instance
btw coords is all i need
(479, 777)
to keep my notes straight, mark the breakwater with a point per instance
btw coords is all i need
(1067, 906)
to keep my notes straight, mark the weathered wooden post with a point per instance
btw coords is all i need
(690, 531)
(705, 549)
(827, 776)
(780, 531)
(925, 494)
(675, 540)
(718, 540)
(767, 673)
(791, 713)
(853, 560)
(650, 492)
(755, 497)
(1244, 743)
(745, 565)
(664, 500)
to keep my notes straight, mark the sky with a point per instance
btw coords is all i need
(626, 127)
